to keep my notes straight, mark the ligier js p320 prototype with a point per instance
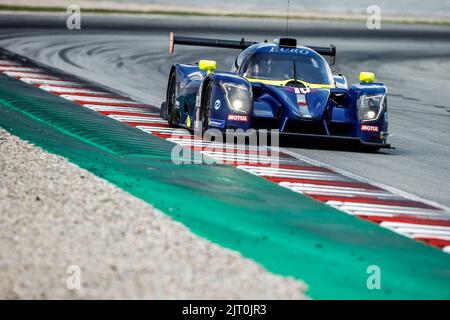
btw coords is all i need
(278, 85)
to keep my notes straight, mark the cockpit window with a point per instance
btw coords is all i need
(307, 68)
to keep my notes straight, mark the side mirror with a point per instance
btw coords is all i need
(340, 81)
(367, 77)
(207, 65)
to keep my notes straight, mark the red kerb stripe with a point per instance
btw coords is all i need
(374, 200)
(407, 219)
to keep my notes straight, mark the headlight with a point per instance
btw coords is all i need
(370, 107)
(239, 97)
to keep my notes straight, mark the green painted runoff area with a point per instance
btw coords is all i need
(287, 233)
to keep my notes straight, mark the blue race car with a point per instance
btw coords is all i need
(278, 85)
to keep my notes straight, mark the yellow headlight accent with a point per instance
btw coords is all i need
(207, 65)
(188, 121)
(367, 77)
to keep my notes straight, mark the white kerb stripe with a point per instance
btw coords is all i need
(24, 69)
(69, 90)
(9, 63)
(298, 174)
(404, 211)
(412, 231)
(393, 224)
(29, 75)
(150, 129)
(120, 109)
(58, 82)
(202, 143)
(96, 99)
(233, 156)
(331, 191)
(381, 206)
(137, 119)
(431, 237)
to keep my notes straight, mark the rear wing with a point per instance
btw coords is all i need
(327, 52)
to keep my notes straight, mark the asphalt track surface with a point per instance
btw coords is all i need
(129, 55)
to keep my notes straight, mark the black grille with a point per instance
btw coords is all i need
(306, 127)
(266, 123)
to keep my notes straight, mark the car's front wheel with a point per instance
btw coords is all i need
(163, 110)
(205, 111)
(172, 113)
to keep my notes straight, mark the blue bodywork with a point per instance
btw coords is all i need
(331, 111)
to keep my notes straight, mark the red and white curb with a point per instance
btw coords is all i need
(393, 209)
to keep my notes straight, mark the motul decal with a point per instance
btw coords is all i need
(235, 117)
(365, 127)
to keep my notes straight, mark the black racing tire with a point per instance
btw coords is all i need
(205, 110)
(163, 110)
(172, 114)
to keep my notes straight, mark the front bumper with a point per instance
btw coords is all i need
(295, 139)
(290, 139)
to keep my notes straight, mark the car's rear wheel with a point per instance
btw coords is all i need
(172, 113)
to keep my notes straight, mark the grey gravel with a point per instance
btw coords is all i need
(54, 214)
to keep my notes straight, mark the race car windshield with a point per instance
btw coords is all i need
(310, 69)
